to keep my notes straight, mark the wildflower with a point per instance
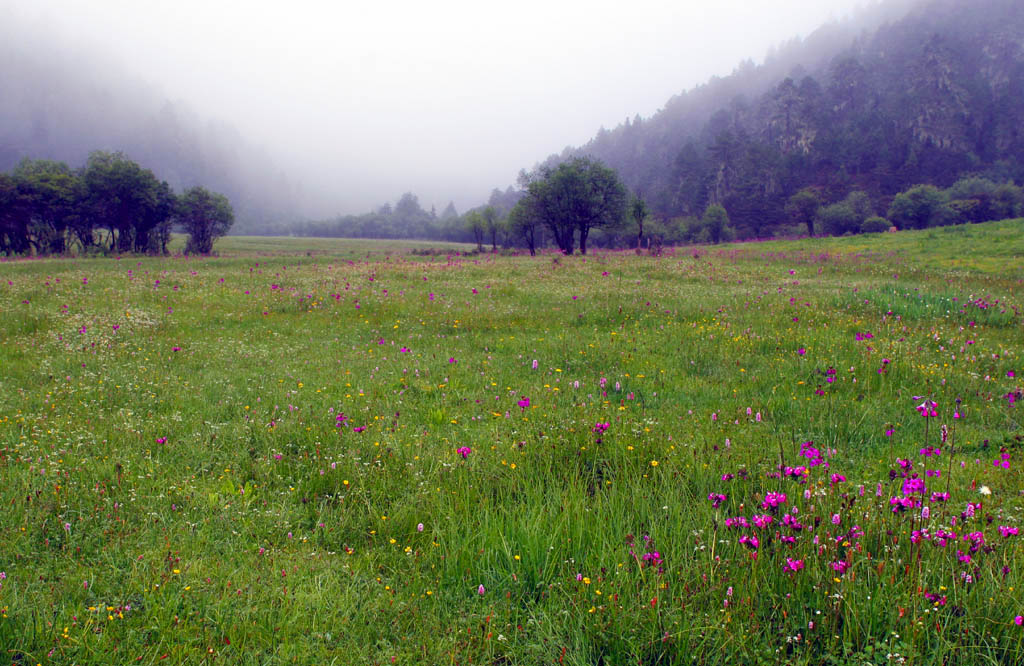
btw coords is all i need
(464, 451)
(481, 590)
(1019, 620)
(793, 565)
(716, 499)
(419, 527)
(534, 364)
(901, 504)
(161, 440)
(801, 351)
(773, 500)
(652, 559)
(523, 404)
(452, 360)
(841, 566)
(751, 542)
(927, 409)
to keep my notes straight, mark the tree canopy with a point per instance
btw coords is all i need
(573, 198)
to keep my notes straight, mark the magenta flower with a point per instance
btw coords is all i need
(524, 403)
(792, 565)
(1019, 620)
(481, 590)
(716, 499)
(464, 451)
(773, 500)
(161, 440)
(801, 351)
(452, 360)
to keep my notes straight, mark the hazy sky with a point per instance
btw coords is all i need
(448, 99)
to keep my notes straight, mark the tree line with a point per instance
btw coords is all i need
(112, 204)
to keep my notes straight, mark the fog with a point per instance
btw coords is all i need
(357, 103)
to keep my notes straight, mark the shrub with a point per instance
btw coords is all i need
(874, 225)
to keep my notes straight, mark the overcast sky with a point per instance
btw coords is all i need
(445, 98)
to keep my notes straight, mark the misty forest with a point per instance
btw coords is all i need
(915, 123)
(736, 382)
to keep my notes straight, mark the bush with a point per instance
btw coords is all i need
(838, 219)
(874, 225)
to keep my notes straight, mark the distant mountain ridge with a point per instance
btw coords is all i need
(923, 98)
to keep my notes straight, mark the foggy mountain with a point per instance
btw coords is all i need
(899, 96)
(61, 103)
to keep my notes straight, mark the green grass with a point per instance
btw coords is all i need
(177, 487)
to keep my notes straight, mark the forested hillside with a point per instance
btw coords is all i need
(927, 98)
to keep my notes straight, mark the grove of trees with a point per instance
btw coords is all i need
(110, 204)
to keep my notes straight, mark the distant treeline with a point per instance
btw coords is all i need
(112, 204)
(502, 224)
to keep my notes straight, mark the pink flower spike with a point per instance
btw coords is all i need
(481, 591)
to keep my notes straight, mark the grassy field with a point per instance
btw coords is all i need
(308, 451)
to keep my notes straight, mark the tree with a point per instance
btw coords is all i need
(48, 194)
(492, 224)
(915, 208)
(126, 199)
(14, 234)
(206, 216)
(639, 212)
(839, 219)
(716, 223)
(576, 196)
(475, 223)
(803, 207)
(523, 221)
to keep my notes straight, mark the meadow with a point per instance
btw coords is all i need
(331, 452)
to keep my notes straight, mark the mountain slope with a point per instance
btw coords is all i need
(927, 97)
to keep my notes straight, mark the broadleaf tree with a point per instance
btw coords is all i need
(575, 197)
(205, 216)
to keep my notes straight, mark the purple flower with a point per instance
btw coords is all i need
(464, 451)
(716, 499)
(480, 590)
(773, 500)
